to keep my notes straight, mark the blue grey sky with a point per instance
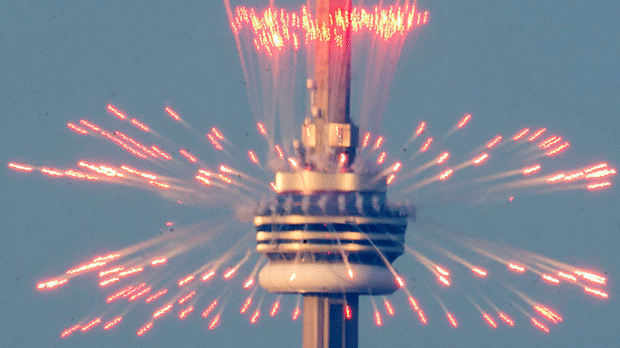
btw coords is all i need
(511, 64)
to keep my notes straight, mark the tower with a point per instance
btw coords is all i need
(330, 235)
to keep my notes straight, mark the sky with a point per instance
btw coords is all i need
(510, 64)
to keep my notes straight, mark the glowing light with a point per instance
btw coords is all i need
(22, 167)
(255, 317)
(446, 174)
(420, 129)
(547, 143)
(479, 271)
(422, 317)
(540, 326)
(50, 284)
(209, 309)
(506, 319)
(163, 310)
(248, 284)
(279, 151)
(76, 128)
(293, 162)
(494, 142)
(110, 271)
(537, 134)
(160, 261)
(381, 158)
(558, 149)
(414, 303)
(69, 331)
(274, 308)
(114, 111)
(109, 281)
(601, 173)
(596, 292)
(464, 121)
(273, 186)
(442, 271)
(595, 278)
(521, 134)
(400, 281)
(261, 129)
(118, 294)
(157, 295)
(141, 331)
(296, 313)
(530, 170)
(186, 312)
(140, 125)
(253, 157)
(390, 179)
(452, 320)
(443, 280)
(378, 320)
(246, 305)
(91, 324)
(208, 275)
(366, 139)
(388, 307)
(567, 276)
(172, 114)
(516, 267)
(186, 280)
(598, 186)
(86, 267)
(489, 320)
(216, 144)
(350, 273)
(109, 325)
(481, 158)
(161, 153)
(187, 297)
(214, 322)
(550, 279)
(379, 142)
(139, 294)
(90, 125)
(131, 271)
(548, 313)
(426, 144)
(187, 155)
(230, 273)
(217, 133)
(443, 157)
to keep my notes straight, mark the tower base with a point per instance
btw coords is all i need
(327, 323)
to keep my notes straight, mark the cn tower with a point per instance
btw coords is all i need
(330, 235)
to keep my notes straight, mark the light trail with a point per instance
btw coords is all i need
(452, 320)
(539, 325)
(111, 324)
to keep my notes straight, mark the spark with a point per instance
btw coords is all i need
(131, 271)
(209, 309)
(274, 308)
(69, 331)
(261, 129)
(444, 281)
(246, 305)
(208, 275)
(378, 320)
(91, 324)
(187, 297)
(140, 125)
(255, 317)
(141, 331)
(118, 294)
(109, 325)
(109, 281)
(378, 142)
(388, 307)
(188, 155)
(595, 292)
(443, 157)
(598, 186)
(390, 179)
(537, 134)
(521, 134)
(494, 142)
(595, 278)
(217, 133)
(348, 313)
(479, 271)
(414, 303)
(214, 322)
(558, 149)
(516, 267)
(464, 121)
(540, 326)
(161, 152)
(279, 151)
(184, 313)
(426, 145)
(452, 320)
(139, 294)
(163, 310)
(248, 284)
(157, 295)
(159, 261)
(547, 143)
(567, 276)
(230, 273)
(489, 320)
(186, 280)
(216, 144)
(110, 271)
(112, 109)
(366, 139)
(172, 114)
(506, 318)
(253, 157)
(446, 174)
(548, 313)
(90, 125)
(420, 129)
(550, 279)
(76, 128)
(400, 281)
(531, 170)
(296, 313)
(481, 158)
(86, 267)
(422, 317)
(381, 158)
(50, 284)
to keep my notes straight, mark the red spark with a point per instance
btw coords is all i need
(390, 179)
(537, 134)
(113, 110)
(110, 271)
(420, 129)
(348, 313)
(366, 139)
(567, 276)
(91, 324)
(209, 309)
(596, 292)
(550, 279)
(443, 157)
(378, 320)
(186, 280)
(230, 273)
(599, 185)
(112, 323)
(22, 167)
(50, 284)
(400, 281)
(446, 174)
(255, 317)
(90, 125)
(141, 331)
(595, 278)
(379, 142)
(140, 125)
(530, 170)
(184, 313)
(279, 151)
(187, 155)
(540, 326)
(76, 128)
(261, 129)
(479, 271)
(118, 294)
(172, 114)
(422, 317)
(159, 261)
(506, 319)
(139, 294)
(548, 313)
(163, 310)
(208, 275)
(443, 280)
(157, 295)
(516, 267)
(131, 271)
(521, 134)
(253, 157)
(109, 281)
(426, 144)
(217, 133)
(69, 331)
(274, 308)
(481, 158)
(86, 267)
(161, 153)
(442, 271)
(464, 121)
(388, 307)
(381, 158)
(187, 297)
(489, 320)
(547, 143)
(296, 313)
(414, 303)
(216, 144)
(494, 142)
(246, 305)
(248, 284)
(273, 186)
(452, 320)
(558, 149)
(214, 322)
